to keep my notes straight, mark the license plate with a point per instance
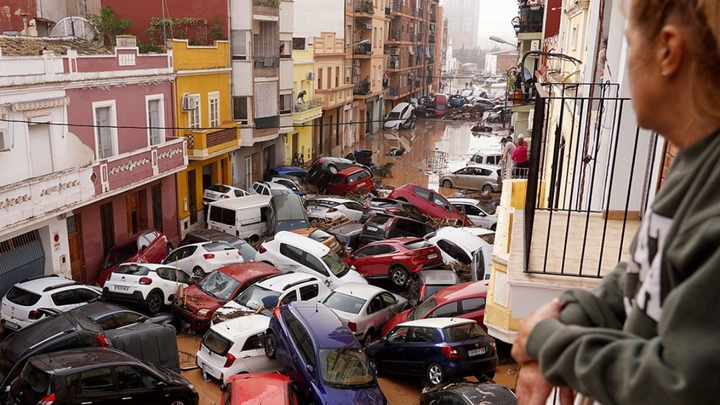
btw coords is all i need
(432, 256)
(476, 352)
(12, 325)
(372, 228)
(120, 288)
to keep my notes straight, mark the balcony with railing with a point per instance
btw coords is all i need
(395, 35)
(362, 89)
(420, 37)
(364, 7)
(203, 144)
(397, 7)
(431, 38)
(266, 62)
(272, 121)
(266, 8)
(393, 91)
(363, 49)
(336, 97)
(529, 20)
(308, 110)
(433, 18)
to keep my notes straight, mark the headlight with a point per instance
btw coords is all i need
(192, 388)
(203, 312)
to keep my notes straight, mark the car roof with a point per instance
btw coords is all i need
(360, 290)
(99, 308)
(462, 291)
(400, 107)
(327, 329)
(290, 206)
(243, 202)
(400, 240)
(242, 325)
(44, 283)
(350, 170)
(19, 342)
(437, 323)
(272, 185)
(151, 266)
(135, 237)
(472, 201)
(308, 245)
(215, 235)
(282, 282)
(75, 360)
(483, 166)
(432, 277)
(461, 237)
(248, 270)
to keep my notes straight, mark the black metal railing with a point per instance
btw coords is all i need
(584, 161)
(363, 49)
(362, 89)
(266, 62)
(395, 35)
(267, 3)
(366, 7)
(530, 19)
(393, 91)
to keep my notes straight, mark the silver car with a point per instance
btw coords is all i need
(364, 308)
(479, 213)
(475, 177)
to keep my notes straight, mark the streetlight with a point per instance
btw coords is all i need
(502, 41)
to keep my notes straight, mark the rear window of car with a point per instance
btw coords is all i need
(87, 323)
(462, 332)
(121, 254)
(216, 343)
(35, 379)
(379, 220)
(219, 188)
(344, 302)
(320, 235)
(218, 246)
(133, 270)
(336, 179)
(417, 244)
(22, 297)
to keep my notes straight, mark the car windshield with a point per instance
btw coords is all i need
(35, 379)
(463, 332)
(133, 270)
(420, 311)
(279, 191)
(218, 285)
(336, 265)
(345, 303)
(253, 297)
(216, 343)
(121, 254)
(393, 116)
(487, 208)
(336, 179)
(218, 246)
(320, 235)
(220, 188)
(345, 368)
(22, 297)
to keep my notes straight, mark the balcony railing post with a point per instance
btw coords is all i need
(533, 175)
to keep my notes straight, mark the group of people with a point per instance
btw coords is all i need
(517, 154)
(298, 160)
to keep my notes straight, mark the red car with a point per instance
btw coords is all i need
(428, 202)
(466, 300)
(350, 179)
(259, 389)
(148, 246)
(396, 258)
(201, 300)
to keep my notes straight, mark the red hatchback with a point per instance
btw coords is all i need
(148, 246)
(396, 258)
(259, 389)
(350, 179)
(466, 300)
(428, 202)
(201, 300)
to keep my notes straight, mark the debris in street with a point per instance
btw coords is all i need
(466, 113)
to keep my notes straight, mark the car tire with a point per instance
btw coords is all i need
(154, 302)
(447, 183)
(332, 169)
(270, 345)
(374, 366)
(254, 238)
(181, 401)
(435, 374)
(198, 272)
(487, 189)
(398, 276)
(367, 339)
(481, 377)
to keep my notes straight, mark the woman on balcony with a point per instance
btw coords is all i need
(648, 335)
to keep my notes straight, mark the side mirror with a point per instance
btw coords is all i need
(384, 339)
(161, 384)
(310, 369)
(143, 248)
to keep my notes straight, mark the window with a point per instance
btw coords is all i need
(446, 310)
(320, 79)
(254, 342)
(285, 103)
(375, 305)
(133, 378)
(63, 298)
(472, 210)
(329, 78)
(291, 252)
(83, 295)
(266, 39)
(298, 44)
(388, 299)
(422, 192)
(194, 114)
(384, 249)
(439, 200)
(155, 121)
(105, 134)
(315, 264)
(337, 76)
(398, 335)
(96, 381)
(309, 292)
(156, 196)
(354, 206)
(240, 109)
(366, 251)
(239, 44)
(473, 304)
(167, 273)
(214, 109)
(289, 297)
(420, 335)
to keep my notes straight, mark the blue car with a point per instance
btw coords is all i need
(438, 348)
(289, 171)
(321, 356)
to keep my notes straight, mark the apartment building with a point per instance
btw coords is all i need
(463, 22)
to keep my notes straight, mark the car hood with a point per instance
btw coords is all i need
(362, 396)
(395, 320)
(196, 299)
(394, 124)
(353, 276)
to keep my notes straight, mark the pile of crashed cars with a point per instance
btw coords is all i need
(329, 308)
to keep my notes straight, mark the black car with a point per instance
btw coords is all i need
(98, 375)
(324, 167)
(427, 282)
(362, 156)
(468, 393)
(54, 333)
(112, 316)
(213, 235)
(381, 227)
(387, 206)
(348, 234)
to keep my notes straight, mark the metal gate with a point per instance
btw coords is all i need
(20, 257)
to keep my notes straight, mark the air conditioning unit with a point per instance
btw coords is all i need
(311, 76)
(189, 102)
(6, 141)
(394, 51)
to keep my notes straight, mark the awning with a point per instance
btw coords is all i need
(367, 25)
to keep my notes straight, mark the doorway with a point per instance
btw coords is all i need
(192, 196)
(75, 245)
(132, 207)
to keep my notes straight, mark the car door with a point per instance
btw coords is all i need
(390, 357)
(252, 354)
(301, 354)
(137, 384)
(290, 259)
(182, 257)
(390, 307)
(314, 266)
(460, 177)
(477, 216)
(423, 201)
(383, 259)
(168, 282)
(473, 308)
(418, 349)
(352, 210)
(363, 259)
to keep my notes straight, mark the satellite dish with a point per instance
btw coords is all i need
(74, 26)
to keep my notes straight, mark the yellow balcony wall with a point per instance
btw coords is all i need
(208, 143)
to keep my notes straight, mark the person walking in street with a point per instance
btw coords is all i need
(520, 160)
(648, 334)
(295, 161)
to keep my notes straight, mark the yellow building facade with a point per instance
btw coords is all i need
(306, 111)
(202, 115)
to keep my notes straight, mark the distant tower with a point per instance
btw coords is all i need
(464, 18)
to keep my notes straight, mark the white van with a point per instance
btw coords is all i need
(485, 157)
(244, 217)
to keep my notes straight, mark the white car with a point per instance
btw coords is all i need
(201, 258)
(458, 245)
(364, 308)
(268, 188)
(236, 347)
(332, 208)
(153, 285)
(293, 253)
(23, 304)
(479, 213)
(402, 116)
(286, 287)
(220, 191)
(288, 182)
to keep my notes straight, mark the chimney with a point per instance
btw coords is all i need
(126, 41)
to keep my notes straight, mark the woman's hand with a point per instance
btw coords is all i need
(519, 349)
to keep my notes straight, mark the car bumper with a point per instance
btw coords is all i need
(13, 325)
(471, 367)
(208, 368)
(193, 321)
(136, 297)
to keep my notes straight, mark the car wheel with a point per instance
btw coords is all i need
(181, 401)
(487, 188)
(198, 272)
(374, 366)
(398, 276)
(270, 346)
(447, 183)
(154, 302)
(332, 169)
(254, 238)
(485, 376)
(368, 338)
(435, 374)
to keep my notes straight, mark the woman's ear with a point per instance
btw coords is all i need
(671, 50)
